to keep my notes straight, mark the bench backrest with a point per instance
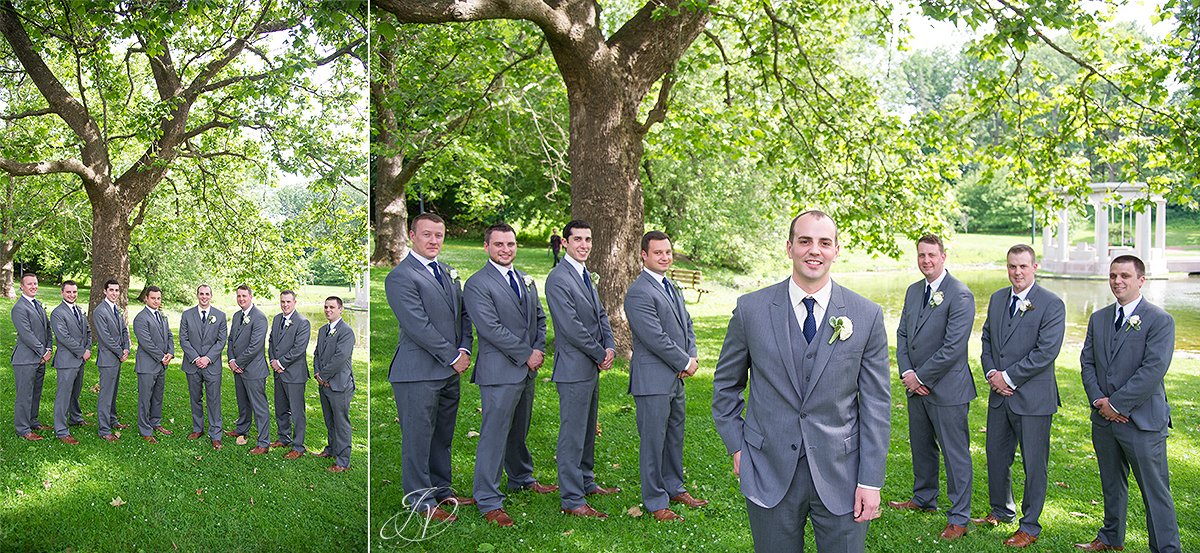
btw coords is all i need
(685, 276)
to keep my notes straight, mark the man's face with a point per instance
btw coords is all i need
(1020, 270)
(426, 237)
(244, 299)
(333, 311)
(154, 300)
(1124, 282)
(501, 247)
(287, 303)
(813, 249)
(113, 293)
(70, 293)
(657, 256)
(204, 296)
(930, 260)
(29, 285)
(579, 244)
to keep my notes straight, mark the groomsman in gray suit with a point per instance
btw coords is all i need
(1125, 356)
(288, 351)
(503, 305)
(813, 440)
(1021, 339)
(664, 354)
(156, 349)
(335, 382)
(112, 349)
(74, 349)
(247, 340)
(433, 350)
(583, 346)
(34, 348)
(202, 335)
(931, 351)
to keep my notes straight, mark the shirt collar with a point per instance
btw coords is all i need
(425, 261)
(334, 323)
(111, 304)
(200, 309)
(657, 277)
(797, 294)
(69, 303)
(579, 267)
(1128, 308)
(503, 270)
(31, 300)
(1024, 294)
(937, 282)
(246, 312)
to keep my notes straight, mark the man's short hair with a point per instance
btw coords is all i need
(932, 239)
(204, 286)
(67, 283)
(246, 287)
(498, 227)
(1139, 266)
(1023, 248)
(574, 224)
(652, 236)
(111, 282)
(152, 288)
(288, 293)
(337, 299)
(27, 274)
(815, 213)
(427, 216)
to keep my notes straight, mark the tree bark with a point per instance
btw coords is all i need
(391, 213)
(7, 252)
(111, 234)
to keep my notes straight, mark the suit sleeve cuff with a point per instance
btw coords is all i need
(914, 374)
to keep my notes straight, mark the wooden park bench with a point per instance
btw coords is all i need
(687, 278)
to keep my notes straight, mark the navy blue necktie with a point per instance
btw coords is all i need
(78, 315)
(1120, 318)
(512, 281)
(667, 288)
(810, 322)
(926, 300)
(1012, 307)
(587, 279)
(116, 313)
(437, 273)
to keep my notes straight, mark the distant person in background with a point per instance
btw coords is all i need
(555, 247)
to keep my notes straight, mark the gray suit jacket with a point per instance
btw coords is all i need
(34, 337)
(112, 336)
(509, 329)
(581, 329)
(202, 338)
(1025, 346)
(663, 340)
(434, 324)
(843, 407)
(290, 346)
(73, 336)
(154, 341)
(332, 359)
(247, 343)
(1128, 368)
(933, 341)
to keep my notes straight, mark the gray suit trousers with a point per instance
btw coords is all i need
(1006, 430)
(201, 388)
(1119, 448)
(28, 401)
(150, 401)
(507, 410)
(781, 528)
(106, 400)
(251, 396)
(428, 411)
(932, 427)
(290, 418)
(660, 453)
(66, 400)
(576, 450)
(335, 406)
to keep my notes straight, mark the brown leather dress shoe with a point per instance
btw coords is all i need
(69, 440)
(194, 435)
(293, 454)
(585, 511)
(953, 532)
(217, 444)
(109, 437)
(232, 434)
(322, 454)
(539, 487)
(1020, 539)
(498, 517)
(276, 444)
(163, 431)
(909, 505)
(43, 427)
(258, 450)
(687, 499)
(150, 439)
(436, 513)
(338, 468)
(663, 515)
(604, 491)
(32, 437)
(990, 520)
(120, 426)
(1097, 545)
(461, 500)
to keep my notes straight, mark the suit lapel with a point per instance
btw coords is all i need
(781, 308)
(657, 285)
(503, 284)
(1123, 333)
(1011, 324)
(836, 308)
(924, 310)
(423, 272)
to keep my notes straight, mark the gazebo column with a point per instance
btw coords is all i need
(1064, 244)
(1158, 257)
(1101, 242)
(1141, 234)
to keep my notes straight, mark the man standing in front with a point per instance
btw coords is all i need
(664, 354)
(202, 335)
(112, 349)
(334, 374)
(433, 350)
(931, 351)
(34, 348)
(503, 305)
(584, 346)
(1021, 339)
(813, 441)
(1125, 356)
(247, 340)
(74, 349)
(288, 351)
(156, 349)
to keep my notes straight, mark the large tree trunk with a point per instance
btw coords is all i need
(391, 213)
(111, 233)
(7, 252)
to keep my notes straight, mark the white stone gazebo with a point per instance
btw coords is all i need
(1092, 259)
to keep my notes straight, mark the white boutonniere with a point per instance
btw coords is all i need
(1024, 306)
(595, 278)
(937, 299)
(1135, 322)
(528, 281)
(245, 320)
(212, 319)
(453, 274)
(287, 323)
(332, 331)
(843, 328)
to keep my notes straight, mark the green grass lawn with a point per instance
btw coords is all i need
(178, 495)
(1073, 512)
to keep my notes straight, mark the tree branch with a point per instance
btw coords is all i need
(19, 169)
(344, 50)
(655, 38)
(448, 11)
(659, 113)
(30, 113)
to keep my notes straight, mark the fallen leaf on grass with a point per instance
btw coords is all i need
(251, 501)
(1062, 484)
(616, 465)
(1078, 514)
(117, 502)
(634, 511)
(96, 389)
(199, 491)
(386, 482)
(241, 440)
(255, 470)
(1094, 502)
(569, 532)
(20, 492)
(547, 379)
(117, 433)
(472, 434)
(199, 457)
(983, 430)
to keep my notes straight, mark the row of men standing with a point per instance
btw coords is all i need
(203, 337)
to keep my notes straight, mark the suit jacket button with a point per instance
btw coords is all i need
(803, 415)
(810, 356)
(793, 447)
(1002, 356)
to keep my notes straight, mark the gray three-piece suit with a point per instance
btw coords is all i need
(247, 345)
(112, 340)
(289, 345)
(73, 336)
(34, 339)
(332, 364)
(204, 335)
(154, 342)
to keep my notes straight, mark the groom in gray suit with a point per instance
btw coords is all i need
(288, 352)
(34, 348)
(1125, 356)
(1022, 335)
(583, 346)
(156, 349)
(74, 349)
(931, 351)
(813, 440)
(248, 362)
(112, 349)
(664, 354)
(433, 350)
(333, 371)
(202, 335)
(504, 307)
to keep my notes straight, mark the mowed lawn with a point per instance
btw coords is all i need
(178, 495)
(1073, 511)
